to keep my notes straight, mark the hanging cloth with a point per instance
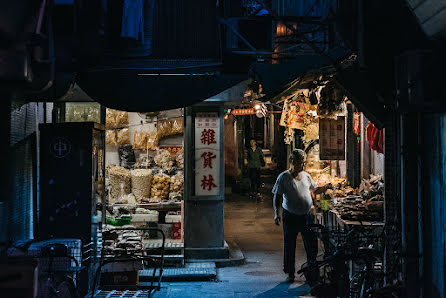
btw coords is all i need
(133, 19)
(376, 139)
(369, 131)
(381, 141)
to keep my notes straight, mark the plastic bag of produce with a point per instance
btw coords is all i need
(141, 183)
(177, 182)
(123, 136)
(122, 119)
(140, 140)
(179, 158)
(120, 183)
(163, 159)
(110, 118)
(160, 186)
(110, 137)
(152, 141)
(164, 128)
(177, 125)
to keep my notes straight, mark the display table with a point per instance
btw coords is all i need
(334, 220)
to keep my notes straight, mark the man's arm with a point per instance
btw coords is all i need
(277, 201)
(321, 189)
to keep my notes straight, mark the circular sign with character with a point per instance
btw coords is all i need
(60, 147)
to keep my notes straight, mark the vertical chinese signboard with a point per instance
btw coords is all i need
(207, 154)
(332, 138)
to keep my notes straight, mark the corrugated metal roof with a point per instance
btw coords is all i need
(431, 15)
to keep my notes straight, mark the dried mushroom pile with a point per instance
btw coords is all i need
(363, 204)
(163, 159)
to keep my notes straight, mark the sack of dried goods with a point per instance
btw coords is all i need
(110, 137)
(123, 136)
(160, 186)
(163, 159)
(141, 183)
(152, 140)
(140, 140)
(177, 183)
(120, 183)
(177, 125)
(179, 158)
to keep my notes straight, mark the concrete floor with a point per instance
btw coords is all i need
(249, 223)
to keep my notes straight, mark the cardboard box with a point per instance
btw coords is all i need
(128, 278)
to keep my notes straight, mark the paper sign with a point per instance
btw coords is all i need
(207, 152)
(332, 138)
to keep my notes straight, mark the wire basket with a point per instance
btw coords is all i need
(59, 263)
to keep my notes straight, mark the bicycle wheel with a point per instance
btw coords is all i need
(356, 285)
(65, 288)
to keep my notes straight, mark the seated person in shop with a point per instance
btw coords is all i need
(295, 186)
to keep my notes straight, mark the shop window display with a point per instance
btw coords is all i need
(145, 190)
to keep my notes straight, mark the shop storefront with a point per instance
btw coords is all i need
(160, 173)
(144, 177)
(343, 148)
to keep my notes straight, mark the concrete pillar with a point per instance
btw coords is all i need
(203, 215)
(433, 197)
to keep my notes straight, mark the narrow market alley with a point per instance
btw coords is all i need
(249, 224)
(143, 140)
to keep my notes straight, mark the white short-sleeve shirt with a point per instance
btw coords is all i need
(296, 193)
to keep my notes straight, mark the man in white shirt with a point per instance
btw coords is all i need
(295, 186)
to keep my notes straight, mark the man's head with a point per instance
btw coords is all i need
(297, 160)
(252, 142)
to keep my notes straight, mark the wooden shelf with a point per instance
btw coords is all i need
(161, 206)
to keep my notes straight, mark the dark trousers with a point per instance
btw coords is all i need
(292, 225)
(254, 177)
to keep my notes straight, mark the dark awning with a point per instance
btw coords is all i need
(142, 90)
(276, 78)
(356, 84)
(282, 80)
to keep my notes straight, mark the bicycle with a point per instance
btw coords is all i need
(333, 273)
(62, 284)
(57, 275)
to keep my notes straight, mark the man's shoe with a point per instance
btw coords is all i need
(290, 278)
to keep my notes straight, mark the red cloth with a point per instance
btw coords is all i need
(369, 130)
(376, 138)
(381, 141)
